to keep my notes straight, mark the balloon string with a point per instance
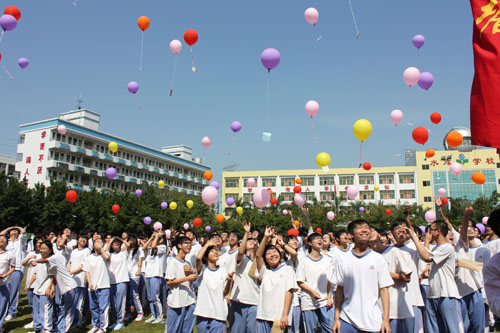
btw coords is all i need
(138, 104)
(1, 36)
(354, 20)
(7, 72)
(360, 150)
(142, 46)
(75, 3)
(192, 59)
(267, 104)
(312, 122)
(230, 146)
(173, 76)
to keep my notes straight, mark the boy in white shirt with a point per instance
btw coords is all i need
(228, 258)
(119, 279)
(443, 312)
(75, 267)
(491, 271)
(361, 276)
(316, 296)
(7, 267)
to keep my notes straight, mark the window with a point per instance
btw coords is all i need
(232, 182)
(498, 165)
(406, 179)
(232, 195)
(427, 183)
(287, 196)
(269, 182)
(307, 181)
(22, 137)
(324, 180)
(366, 180)
(248, 197)
(346, 180)
(308, 195)
(287, 181)
(386, 179)
(427, 199)
(425, 166)
(326, 196)
(407, 194)
(366, 195)
(343, 195)
(386, 195)
(245, 184)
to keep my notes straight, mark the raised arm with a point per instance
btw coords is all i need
(465, 226)
(438, 203)
(201, 253)
(305, 212)
(422, 251)
(148, 242)
(260, 252)
(243, 246)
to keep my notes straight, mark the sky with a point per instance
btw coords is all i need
(93, 49)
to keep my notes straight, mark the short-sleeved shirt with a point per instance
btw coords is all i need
(245, 288)
(410, 254)
(118, 267)
(491, 274)
(58, 268)
(77, 259)
(133, 262)
(314, 274)
(211, 302)
(228, 260)
(442, 272)
(30, 270)
(181, 294)
(156, 262)
(7, 260)
(494, 246)
(18, 248)
(98, 269)
(42, 280)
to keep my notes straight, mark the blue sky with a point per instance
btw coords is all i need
(93, 49)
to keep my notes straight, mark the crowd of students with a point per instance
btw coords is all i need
(362, 279)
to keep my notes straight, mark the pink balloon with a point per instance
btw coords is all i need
(61, 129)
(261, 198)
(175, 46)
(411, 76)
(167, 234)
(311, 15)
(157, 226)
(456, 168)
(352, 191)
(441, 192)
(250, 182)
(330, 215)
(209, 195)
(312, 108)
(206, 141)
(430, 216)
(186, 226)
(285, 212)
(299, 199)
(396, 117)
(485, 220)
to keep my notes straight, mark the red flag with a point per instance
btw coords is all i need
(485, 93)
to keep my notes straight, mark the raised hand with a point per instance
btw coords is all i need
(269, 231)
(247, 226)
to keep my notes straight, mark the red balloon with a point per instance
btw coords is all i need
(367, 166)
(14, 11)
(293, 232)
(436, 117)
(318, 230)
(297, 189)
(191, 37)
(115, 209)
(71, 195)
(388, 211)
(420, 135)
(197, 222)
(444, 201)
(274, 201)
(0, 57)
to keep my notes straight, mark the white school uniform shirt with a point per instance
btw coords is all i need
(77, 259)
(181, 294)
(18, 248)
(228, 260)
(225, 248)
(191, 256)
(400, 306)
(423, 264)
(494, 246)
(66, 252)
(362, 277)
(296, 293)
(314, 274)
(211, 302)
(411, 257)
(7, 260)
(31, 269)
(72, 243)
(155, 264)
(491, 275)
(118, 267)
(442, 273)
(273, 288)
(42, 280)
(245, 288)
(58, 268)
(466, 283)
(133, 262)
(98, 268)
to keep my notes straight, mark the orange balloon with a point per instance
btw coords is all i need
(297, 224)
(208, 175)
(143, 22)
(454, 139)
(298, 181)
(478, 178)
(430, 153)
(270, 191)
(191, 37)
(220, 218)
(436, 117)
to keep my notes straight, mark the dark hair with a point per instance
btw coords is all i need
(205, 255)
(339, 233)
(213, 234)
(49, 245)
(189, 230)
(313, 236)
(116, 240)
(37, 231)
(418, 231)
(47, 231)
(329, 236)
(494, 222)
(225, 232)
(289, 237)
(136, 245)
(179, 240)
(236, 233)
(352, 225)
(442, 226)
(268, 248)
(397, 222)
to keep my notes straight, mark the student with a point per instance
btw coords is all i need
(228, 258)
(342, 239)
(156, 252)
(443, 312)
(224, 247)
(17, 244)
(96, 268)
(491, 271)
(61, 246)
(32, 255)
(134, 265)
(493, 243)
(181, 299)
(293, 261)
(211, 307)
(195, 247)
(245, 289)
(316, 297)
(361, 276)
(118, 279)
(7, 267)
(327, 247)
(75, 267)
(277, 287)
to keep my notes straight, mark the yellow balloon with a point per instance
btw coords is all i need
(161, 184)
(239, 210)
(375, 187)
(189, 204)
(323, 161)
(362, 129)
(173, 205)
(113, 146)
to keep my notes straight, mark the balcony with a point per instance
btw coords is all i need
(156, 170)
(93, 172)
(120, 178)
(80, 150)
(62, 165)
(78, 187)
(132, 180)
(134, 164)
(64, 146)
(109, 158)
(79, 169)
(145, 168)
(95, 154)
(122, 161)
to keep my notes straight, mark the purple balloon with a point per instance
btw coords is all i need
(111, 173)
(208, 228)
(423, 229)
(230, 201)
(8, 22)
(270, 58)
(361, 209)
(215, 184)
(426, 80)
(236, 126)
(133, 87)
(481, 228)
(138, 192)
(418, 41)
(164, 205)
(23, 62)
(147, 220)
